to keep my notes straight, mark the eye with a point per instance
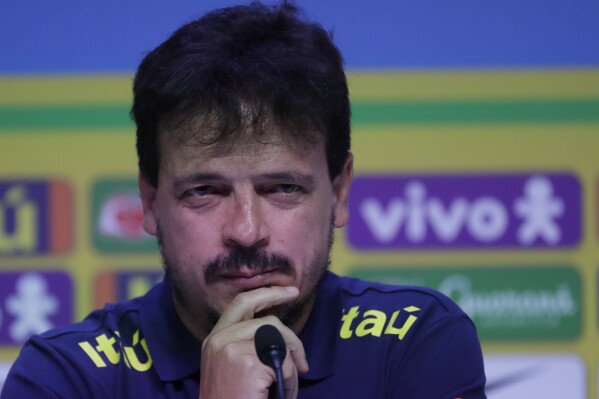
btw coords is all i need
(287, 188)
(285, 194)
(199, 191)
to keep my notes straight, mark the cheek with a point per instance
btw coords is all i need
(303, 233)
(184, 237)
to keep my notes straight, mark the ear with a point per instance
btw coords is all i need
(341, 186)
(148, 198)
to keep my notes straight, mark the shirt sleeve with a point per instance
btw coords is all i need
(42, 372)
(444, 361)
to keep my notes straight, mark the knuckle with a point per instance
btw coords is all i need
(239, 299)
(207, 342)
(248, 362)
(213, 341)
(230, 351)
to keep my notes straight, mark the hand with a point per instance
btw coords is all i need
(230, 366)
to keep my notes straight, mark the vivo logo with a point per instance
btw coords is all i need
(438, 211)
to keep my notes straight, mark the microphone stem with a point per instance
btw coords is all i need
(278, 367)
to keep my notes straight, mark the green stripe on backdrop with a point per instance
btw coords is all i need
(78, 117)
(476, 112)
(59, 117)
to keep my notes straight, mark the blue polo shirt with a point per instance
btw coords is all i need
(362, 340)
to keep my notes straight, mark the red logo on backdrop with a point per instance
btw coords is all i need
(118, 217)
(121, 216)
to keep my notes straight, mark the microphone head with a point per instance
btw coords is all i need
(268, 341)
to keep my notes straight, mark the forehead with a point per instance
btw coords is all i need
(203, 136)
(269, 149)
(217, 129)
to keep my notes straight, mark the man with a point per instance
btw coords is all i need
(243, 143)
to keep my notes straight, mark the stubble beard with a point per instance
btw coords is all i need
(186, 295)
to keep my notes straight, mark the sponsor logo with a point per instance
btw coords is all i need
(118, 217)
(107, 351)
(33, 302)
(465, 211)
(121, 216)
(111, 287)
(35, 217)
(374, 322)
(515, 303)
(548, 376)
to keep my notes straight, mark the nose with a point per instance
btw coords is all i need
(245, 225)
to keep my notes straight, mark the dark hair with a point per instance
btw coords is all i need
(239, 70)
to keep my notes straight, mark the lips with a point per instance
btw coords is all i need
(245, 272)
(248, 279)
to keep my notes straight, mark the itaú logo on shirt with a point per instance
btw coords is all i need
(111, 350)
(376, 323)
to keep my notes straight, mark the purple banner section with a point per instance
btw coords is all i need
(24, 217)
(444, 211)
(33, 302)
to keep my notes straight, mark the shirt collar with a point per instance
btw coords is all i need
(175, 352)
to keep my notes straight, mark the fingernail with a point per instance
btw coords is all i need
(306, 368)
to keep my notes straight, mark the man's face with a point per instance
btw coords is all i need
(257, 215)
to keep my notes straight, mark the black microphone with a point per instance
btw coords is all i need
(271, 351)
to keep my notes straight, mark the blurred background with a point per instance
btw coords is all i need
(476, 137)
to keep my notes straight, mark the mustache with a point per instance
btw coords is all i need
(254, 259)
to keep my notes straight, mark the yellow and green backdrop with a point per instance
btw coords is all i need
(477, 173)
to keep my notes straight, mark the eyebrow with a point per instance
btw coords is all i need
(291, 177)
(197, 177)
(301, 179)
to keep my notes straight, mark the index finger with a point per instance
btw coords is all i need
(246, 304)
